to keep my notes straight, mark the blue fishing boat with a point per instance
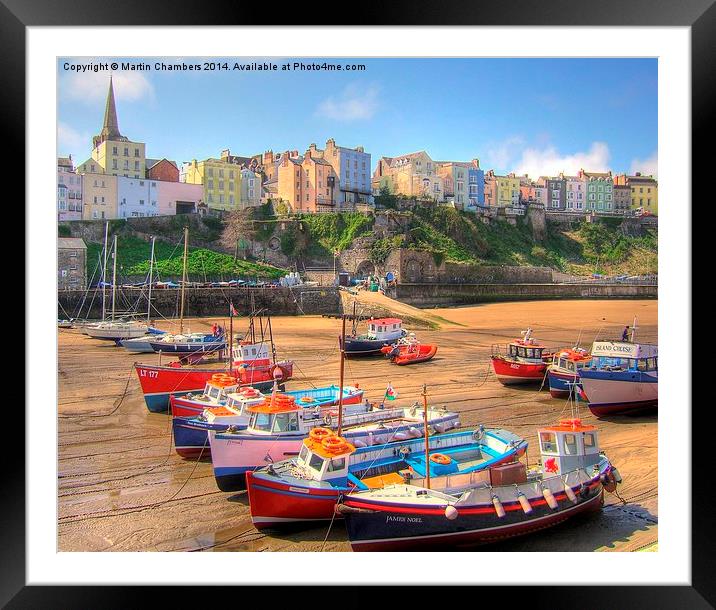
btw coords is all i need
(194, 343)
(381, 331)
(623, 377)
(563, 373)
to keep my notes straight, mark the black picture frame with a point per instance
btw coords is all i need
(699, 15)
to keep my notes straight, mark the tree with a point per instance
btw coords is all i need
(238, 226)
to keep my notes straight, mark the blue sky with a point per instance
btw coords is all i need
(536, 116)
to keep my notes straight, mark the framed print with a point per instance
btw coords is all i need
(382, 299)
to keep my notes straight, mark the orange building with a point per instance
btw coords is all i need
(308, 184)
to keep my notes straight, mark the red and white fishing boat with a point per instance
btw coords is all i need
(252, 365)
(525, 360)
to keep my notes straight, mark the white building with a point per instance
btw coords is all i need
(137, 197)
(69, 190)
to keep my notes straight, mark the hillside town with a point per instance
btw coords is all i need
(118, 180)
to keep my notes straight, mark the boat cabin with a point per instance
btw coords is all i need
(624, 356)
(279, 414)
(525, 352)
(250, 353)
(217, 390)
(325, 465)
(385, 328)
(240, 401)
(568, 446)
(571, 360)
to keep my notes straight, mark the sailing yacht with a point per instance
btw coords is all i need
(114, 330)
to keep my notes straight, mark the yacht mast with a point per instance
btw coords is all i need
(427, 435)
(114, 274)
(104, 272)
(149, 297)
(183, 280)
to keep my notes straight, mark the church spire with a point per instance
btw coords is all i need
(110, 127)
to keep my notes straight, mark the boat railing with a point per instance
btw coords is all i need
(499, 349)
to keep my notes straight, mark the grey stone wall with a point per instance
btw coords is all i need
(211, 301)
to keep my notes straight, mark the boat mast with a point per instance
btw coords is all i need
(104, 272)
(183, 281)
(114, 275)
(273, 347)
(343, 362)
(427, 434)
(149, 297)
(231, 336)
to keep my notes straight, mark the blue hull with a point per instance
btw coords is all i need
(363, 347)
(190, 435)
(561, 384)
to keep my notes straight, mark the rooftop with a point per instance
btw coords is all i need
(70, 243)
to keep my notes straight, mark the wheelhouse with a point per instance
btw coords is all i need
(518, 351)
(568, 446)
(385, 328)
(571, 360)
(246, 351)
(624, 356)
(322, 465)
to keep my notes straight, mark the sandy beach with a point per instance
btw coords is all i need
(121, 487)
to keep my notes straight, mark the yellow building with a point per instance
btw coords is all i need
(99, 196)
(413, 175)
(644, 191)
(114, 153)
(501, 191)
(221, 181)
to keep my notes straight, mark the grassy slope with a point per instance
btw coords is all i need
(134, 256)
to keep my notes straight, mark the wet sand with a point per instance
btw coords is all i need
(121, 487)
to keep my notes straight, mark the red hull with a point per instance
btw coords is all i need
(424, 353)
(510, 372)
(283, 506)
(275, 503)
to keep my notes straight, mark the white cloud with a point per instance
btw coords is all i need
(353, 104)
(648, 167)
(91, 87)
(550, 162)
(69, 139)
(501, 156)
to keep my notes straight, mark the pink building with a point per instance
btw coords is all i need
(178, 197)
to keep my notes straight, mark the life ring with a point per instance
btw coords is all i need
(440, 458)
(327, 419)
(319, 433)
(478, 434)
(277, 372)
(250, 392)
(307, 399)
(334, 444)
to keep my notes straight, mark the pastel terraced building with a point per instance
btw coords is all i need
(220, 180)
(307, 184)
(69, 190)
(456, 182)
(600, 193)
(501, 191)
(411, 175)
(644, 191)
(99, 196)
(352, 169)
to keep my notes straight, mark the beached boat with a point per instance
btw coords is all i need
(525, 360)
(232, 409)
(189, 343)
(277, 429)
(116, 331)
(381, 331)
(305, 489)
(64, 323)
(499, 502)
(623, 377)
(563, 373)
(252, 365)
(409, 352)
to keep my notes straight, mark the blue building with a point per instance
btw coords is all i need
(476, 184)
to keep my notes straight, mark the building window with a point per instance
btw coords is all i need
(126, 152)
(136, 152)
(114, 150)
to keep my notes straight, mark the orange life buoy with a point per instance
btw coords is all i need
(334, 443)
(306, 399)
(440, 458)
(319, 433)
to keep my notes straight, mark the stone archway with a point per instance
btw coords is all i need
(365, 268)
(413, 271)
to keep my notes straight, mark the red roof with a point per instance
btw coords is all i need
(386, 321)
